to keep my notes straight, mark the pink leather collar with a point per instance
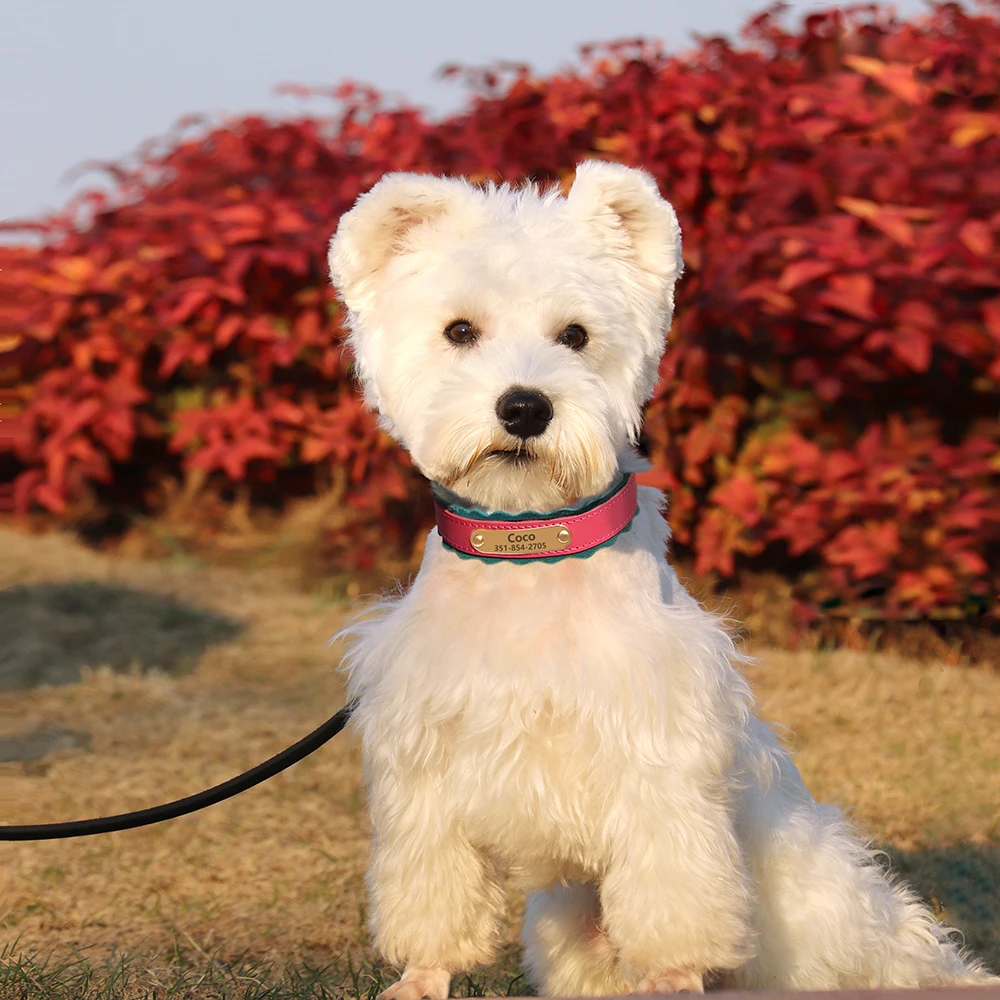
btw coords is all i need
(535, 536)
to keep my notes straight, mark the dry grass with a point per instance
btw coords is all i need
(268, 887)
(275, 872)
(912, 752)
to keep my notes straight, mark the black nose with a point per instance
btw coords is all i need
(524, 412)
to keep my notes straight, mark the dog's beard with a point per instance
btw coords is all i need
(459, 441)
(538, 475)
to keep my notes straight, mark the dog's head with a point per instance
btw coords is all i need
(508, 338)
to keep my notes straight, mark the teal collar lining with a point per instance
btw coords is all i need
(441, 493)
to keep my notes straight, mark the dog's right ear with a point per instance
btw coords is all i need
(624, 207)
(380, 226)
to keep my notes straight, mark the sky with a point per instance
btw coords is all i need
(92, 79)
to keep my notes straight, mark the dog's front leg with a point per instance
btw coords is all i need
(676, 896)
(435, 900)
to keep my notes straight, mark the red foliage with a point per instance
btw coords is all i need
(829, 401)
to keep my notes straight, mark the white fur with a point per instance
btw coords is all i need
(582, 725)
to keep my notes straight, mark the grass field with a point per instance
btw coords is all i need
(162, 678)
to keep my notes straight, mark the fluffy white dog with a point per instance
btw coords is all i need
(576, 720)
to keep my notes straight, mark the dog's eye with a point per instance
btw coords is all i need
(574, 337)
(461, 332)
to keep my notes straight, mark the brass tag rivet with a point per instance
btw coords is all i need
(564, 536)
(478, 539)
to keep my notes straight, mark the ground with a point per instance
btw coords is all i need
(160, 678)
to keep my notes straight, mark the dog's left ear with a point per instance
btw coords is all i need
(632, 220)
(381, 225)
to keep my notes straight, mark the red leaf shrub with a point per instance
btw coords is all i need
(829, 399)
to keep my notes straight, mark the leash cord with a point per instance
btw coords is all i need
(191, 803)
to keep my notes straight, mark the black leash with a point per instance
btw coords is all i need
(191, 803)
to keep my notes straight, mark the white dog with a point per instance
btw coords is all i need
(546, 701)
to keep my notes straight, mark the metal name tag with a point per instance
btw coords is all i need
(553, 538)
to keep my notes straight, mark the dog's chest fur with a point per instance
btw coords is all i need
(526, 695)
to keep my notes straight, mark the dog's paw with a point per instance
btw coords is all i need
(419, 984)
(675, 981)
